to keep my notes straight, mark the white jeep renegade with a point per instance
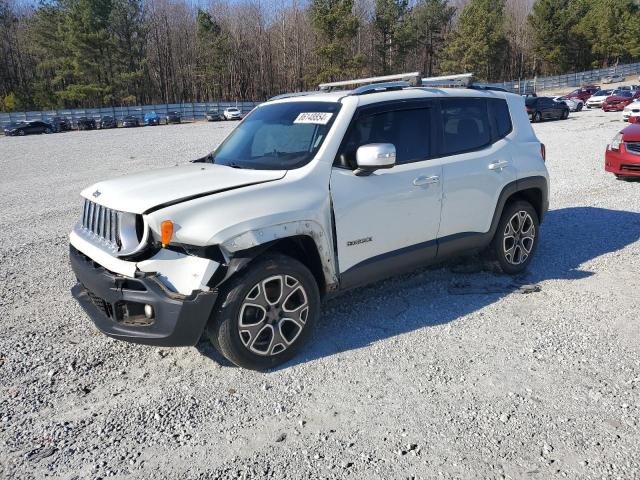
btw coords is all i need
(309, 195)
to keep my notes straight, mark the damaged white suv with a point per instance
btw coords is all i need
(311, 194)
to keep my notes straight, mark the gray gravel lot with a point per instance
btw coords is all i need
(450, 372)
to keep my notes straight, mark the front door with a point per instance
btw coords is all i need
(388, 221)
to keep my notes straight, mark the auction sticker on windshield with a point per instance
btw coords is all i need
(319, 118)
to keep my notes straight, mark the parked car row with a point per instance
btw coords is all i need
(62, 124)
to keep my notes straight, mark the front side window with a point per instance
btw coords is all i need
(408, 130)
(465, 125)
(279, 136)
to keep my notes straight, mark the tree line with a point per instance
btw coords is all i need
(90, 53)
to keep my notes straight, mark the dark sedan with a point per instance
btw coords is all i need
(545, 108)
(108, 122)
(86, 123)
(27, 128)
(130, 121)
(60, 124)
(214, 116)
(173, 117)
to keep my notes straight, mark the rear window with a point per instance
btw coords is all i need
(465, 125)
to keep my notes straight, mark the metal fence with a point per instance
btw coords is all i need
(197, 111)
(570, 80)
(188, 111)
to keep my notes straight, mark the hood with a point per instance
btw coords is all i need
(141, 192)
(631, 133)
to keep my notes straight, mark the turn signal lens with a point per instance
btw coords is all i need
(166, 232)
(543, 152)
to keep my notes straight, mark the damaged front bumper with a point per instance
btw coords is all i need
(117, 304)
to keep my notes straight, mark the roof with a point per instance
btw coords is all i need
(376, 97)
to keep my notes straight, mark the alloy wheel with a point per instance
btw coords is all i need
(273, 314)
(518, 238)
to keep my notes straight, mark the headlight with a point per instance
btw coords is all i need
(615, 143)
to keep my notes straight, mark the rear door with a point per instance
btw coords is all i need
(476, 165)
(389, 220)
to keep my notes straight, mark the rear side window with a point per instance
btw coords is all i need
(405, 129)
(465, 125)
(499, 112)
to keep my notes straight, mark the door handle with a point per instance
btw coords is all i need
(498, 165)
(422, 180)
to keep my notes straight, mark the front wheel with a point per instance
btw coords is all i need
(265, 313)
(516, 237)
(565, 114)
(579, 108)
(537, 117)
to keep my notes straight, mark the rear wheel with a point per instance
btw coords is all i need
(47, 130)
(21, 133)
(516, 237)
(537, 117)
(579, 107)
(265, 313)
(565, 114)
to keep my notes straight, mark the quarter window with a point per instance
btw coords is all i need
(499, 110)
(465, 125)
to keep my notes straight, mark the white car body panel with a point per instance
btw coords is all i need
(139, 192)
(596, 101)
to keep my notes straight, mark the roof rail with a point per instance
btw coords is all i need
(462, 80)
(292, 94)
(379, 87)
(413, 79)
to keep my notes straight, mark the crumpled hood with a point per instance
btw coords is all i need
(141, 192)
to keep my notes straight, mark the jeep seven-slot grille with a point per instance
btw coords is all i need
(102, 221)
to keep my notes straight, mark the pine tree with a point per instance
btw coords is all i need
(478, 44)
(394, 35)
(432, 20)
(612, 28)
(557, 43)
(336, 26)
(213, 45)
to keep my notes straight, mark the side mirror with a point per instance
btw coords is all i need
(374, 156)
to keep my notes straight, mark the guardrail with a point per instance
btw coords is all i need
(188, 111)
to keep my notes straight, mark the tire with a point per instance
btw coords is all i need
(579, 107)
(270, 338)
(21, 133)
(47, 130)
(565, 114)
(537, 117)
(516, 222)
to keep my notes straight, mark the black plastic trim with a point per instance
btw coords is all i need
(179, 319)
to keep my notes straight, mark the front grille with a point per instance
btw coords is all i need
(102, 305)
(103, 222)
(633, 147)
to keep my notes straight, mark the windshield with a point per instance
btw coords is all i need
(602, 93)
(622, 93)
(279, 136)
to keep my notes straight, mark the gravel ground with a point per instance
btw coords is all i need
(451, 372)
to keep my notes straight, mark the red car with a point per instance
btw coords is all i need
(622, 157)
(583, 93)
(619, 100)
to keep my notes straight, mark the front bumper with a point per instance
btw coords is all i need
(116, 303)
(617, 107)
(622, 162)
